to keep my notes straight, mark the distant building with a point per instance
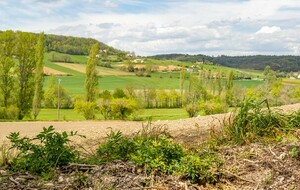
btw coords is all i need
(138, 61)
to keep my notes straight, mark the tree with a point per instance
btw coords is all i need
(229, 89)
(91, 81)
(39, 76)
(25, 72)
(7, 45)
(182, 80)
(51, 99)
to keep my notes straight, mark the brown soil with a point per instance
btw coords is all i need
(50, 71)
(99, 129)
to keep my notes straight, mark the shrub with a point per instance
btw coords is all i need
(201, 168)
(116, 147)
(105, 109)
(11, 112)
(51, 97)
(87, 109)
(211, 107)
(154, 150)
(192, 109)
(122, 108)
(119, 93)
(49, 149)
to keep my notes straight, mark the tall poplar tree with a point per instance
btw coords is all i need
(25, 72)
(91, 81)
(39, 76)
(7, 45)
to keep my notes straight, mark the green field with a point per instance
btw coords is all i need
(114, 78)
(144, 114)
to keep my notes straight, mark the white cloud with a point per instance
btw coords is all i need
(268, 30)
(152, 27)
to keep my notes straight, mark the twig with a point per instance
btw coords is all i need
(240, 177)
(82, 165)
(13, 180)
(153, 187)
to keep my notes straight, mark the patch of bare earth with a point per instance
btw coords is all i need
(50, 71)
(101, 70)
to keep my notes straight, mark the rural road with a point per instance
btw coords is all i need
(99, 129)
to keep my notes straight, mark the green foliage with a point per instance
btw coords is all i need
(7, 45)
(91, 80)
(105, 108)
(49, 149)
(294, 152)
(294, 120)
(116, 147)
(25, 72)
(192, 109)
(39, 76)
(201, 168)
(119, 93)
(10, 112)
(122, 108)
(87, 109)
(154, 150)
(51, 96)
(252, 123)
(212, 106)
(70, 45)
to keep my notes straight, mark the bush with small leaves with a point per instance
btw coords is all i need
(48, 150)
(192, 109)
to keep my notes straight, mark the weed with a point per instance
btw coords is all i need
(81, 181)
(6, 155)
(294, 152)
(252, 122)
(154, 150)
(46, 151)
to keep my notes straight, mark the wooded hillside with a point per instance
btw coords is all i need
(286, 63)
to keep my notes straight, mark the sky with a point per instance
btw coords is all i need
(149, 27)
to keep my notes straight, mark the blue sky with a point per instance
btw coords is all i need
(213, 27)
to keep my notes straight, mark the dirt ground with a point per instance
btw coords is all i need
(99, 129)
(253, 166)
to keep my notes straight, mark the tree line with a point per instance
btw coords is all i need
(21, 74)
(283, 63)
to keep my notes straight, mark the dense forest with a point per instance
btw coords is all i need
(69, 44)
(286, 63)
(73, 45)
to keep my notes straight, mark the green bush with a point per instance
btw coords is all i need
(154, 150)
(87, 109)
(49, 149)
(122, 108)
(192, 109)
(51, 97)
(211, 107)
(11, 112)
(119, 93)
(117, 147)
(105, 108)
(202, 168)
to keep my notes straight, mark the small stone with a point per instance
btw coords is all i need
(3, 172)
(282, 156)
(60, 179)
(48, 184)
